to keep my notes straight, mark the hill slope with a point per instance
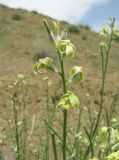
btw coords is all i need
(23, 39)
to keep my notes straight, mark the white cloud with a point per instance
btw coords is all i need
(69, 10)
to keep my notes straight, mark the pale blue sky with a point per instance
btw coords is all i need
(98, 16)
(92, 12)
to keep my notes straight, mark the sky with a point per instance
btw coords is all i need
(92, 12)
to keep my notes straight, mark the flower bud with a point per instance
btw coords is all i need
(69, 100)
(105, 31)
(103, 46)
(76, 75)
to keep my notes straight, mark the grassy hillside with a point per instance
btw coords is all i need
(23, 40)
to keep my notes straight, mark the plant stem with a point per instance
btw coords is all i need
(16, 130)
(104, 71)
(50, 127)
(54, 146)
(64, 111)
(47, 129)
(64, 134)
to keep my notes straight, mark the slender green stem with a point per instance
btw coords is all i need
(16, 131)
(60, 138)
(50, 127)
(104, 71)
(64, 134)
(110, 116)
(112, 108)
(54, 146)
(25, 125)
(49, 120)
(64, 111)
(1, 156)
(63, 77)
(90, 140)
(102, 99)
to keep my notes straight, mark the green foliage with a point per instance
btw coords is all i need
(3, 6)
(19, 125)
(74, 29)
(113, 156)
(17, 17)
(86, 27)
(35, 12)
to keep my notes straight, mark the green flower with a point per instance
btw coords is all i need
(65, 48)
(69, 100)
(105, 31)
(76, 75)
(44, 63)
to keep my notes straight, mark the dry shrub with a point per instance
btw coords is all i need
(42, 54)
